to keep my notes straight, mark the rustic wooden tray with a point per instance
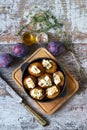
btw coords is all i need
(47, 107)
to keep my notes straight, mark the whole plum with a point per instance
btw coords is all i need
(20, 50)
(55, 48)
(6, 60)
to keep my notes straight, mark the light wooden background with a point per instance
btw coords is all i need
(72, 115)
(73, 13)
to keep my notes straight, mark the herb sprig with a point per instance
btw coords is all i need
(42, 22)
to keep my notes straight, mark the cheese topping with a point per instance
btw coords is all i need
(46, 81)
(47, 63)
(52, 90)
(42, 37)
(36, 93)
(35, 69)
(56, 78)
(30, 83)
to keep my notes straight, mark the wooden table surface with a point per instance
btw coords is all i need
(73, 114)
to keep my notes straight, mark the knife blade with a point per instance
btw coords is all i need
(19, 99)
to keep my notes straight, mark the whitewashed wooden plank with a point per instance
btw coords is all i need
(71, 116)
(72, 13)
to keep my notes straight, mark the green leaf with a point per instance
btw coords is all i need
(46, 17)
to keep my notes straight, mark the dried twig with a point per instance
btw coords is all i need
(67, 43)
(41, 22)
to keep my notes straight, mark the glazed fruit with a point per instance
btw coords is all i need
(29, 82)
(55, 48)
(37, 93)
(36, 69)
(52, 92)
(49, 65)
(20, 50)
(45, 81)
(6, 60)
(58, 78)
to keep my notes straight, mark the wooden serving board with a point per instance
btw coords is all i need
(47, 107)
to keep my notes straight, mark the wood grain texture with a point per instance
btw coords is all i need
(47, 107)
(71, 116)
(13, 13)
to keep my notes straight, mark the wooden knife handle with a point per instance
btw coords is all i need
(35, 114)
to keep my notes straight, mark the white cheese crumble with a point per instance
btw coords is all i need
(56, 78)
(35, 69)
(42, 37)
(46, 81)
(47, 63)
(52, 90)
(36, 93)
(30, 83)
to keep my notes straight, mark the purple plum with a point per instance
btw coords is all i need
(6, 60)
(55, 48)
(20, 50)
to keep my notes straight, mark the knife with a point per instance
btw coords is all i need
(40, 119)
